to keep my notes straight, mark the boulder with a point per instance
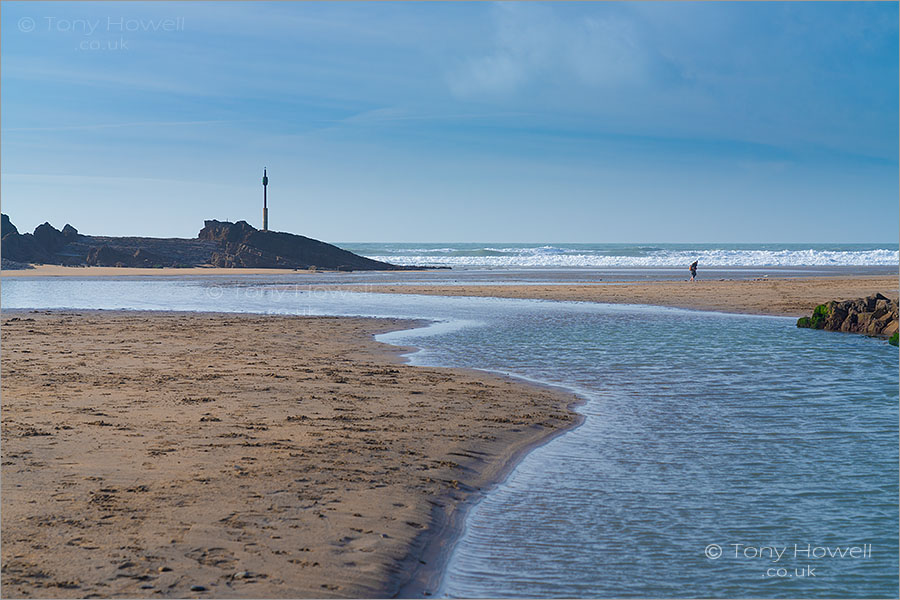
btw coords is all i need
(835, 316)
(875, 315)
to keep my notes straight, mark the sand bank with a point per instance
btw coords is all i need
(255, 456)
(770, 296)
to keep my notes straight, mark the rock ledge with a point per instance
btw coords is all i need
(873, 315)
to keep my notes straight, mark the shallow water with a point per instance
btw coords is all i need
(701, 428)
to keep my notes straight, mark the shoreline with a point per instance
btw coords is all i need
(437, 548)
(782, 295)
(446, 513)
(786, 297)
(437, 545)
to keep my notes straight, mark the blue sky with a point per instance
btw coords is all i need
(532, 122)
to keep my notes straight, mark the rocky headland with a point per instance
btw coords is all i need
(875, 315)
(219, 244)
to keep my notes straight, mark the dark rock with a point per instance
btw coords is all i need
(862, 322)
(50, 238)
(225, 232)
(104, 256)
(892, 326)
(835, 316)
(7, 226)
(38, 247)
(874, 315)
(849, 323)
(11, 265)
(24, 248)
(219, 243)
(242, 245)
(107, 256)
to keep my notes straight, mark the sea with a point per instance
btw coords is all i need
(720, 455)
(501, 255)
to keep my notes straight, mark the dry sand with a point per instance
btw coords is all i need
(783, 296)
(256, 456)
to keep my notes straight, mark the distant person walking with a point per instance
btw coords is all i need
(694, 269)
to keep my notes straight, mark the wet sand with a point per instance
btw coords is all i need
(771, 296)
(145, 454)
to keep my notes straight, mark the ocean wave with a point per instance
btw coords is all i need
(559, 257)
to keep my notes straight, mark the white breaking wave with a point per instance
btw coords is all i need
(663, 258)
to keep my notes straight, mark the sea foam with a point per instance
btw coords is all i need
(551, 256)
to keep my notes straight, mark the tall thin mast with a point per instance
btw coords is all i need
(265, 205)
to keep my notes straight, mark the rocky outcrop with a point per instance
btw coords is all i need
(242, 245)
(50, 238)
(220, 243)
(106, 256)
(37, 247)
(23, 248)
(7, 226)
(11, 265)
(873, 315)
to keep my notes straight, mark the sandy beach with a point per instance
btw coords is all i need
(155, 454)
(203, 455)
(771, 296)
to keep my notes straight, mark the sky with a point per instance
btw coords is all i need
(430, 122)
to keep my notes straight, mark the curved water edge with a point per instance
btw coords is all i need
(677, 472)
(437, 541)
(445, 529)
(699, 428)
